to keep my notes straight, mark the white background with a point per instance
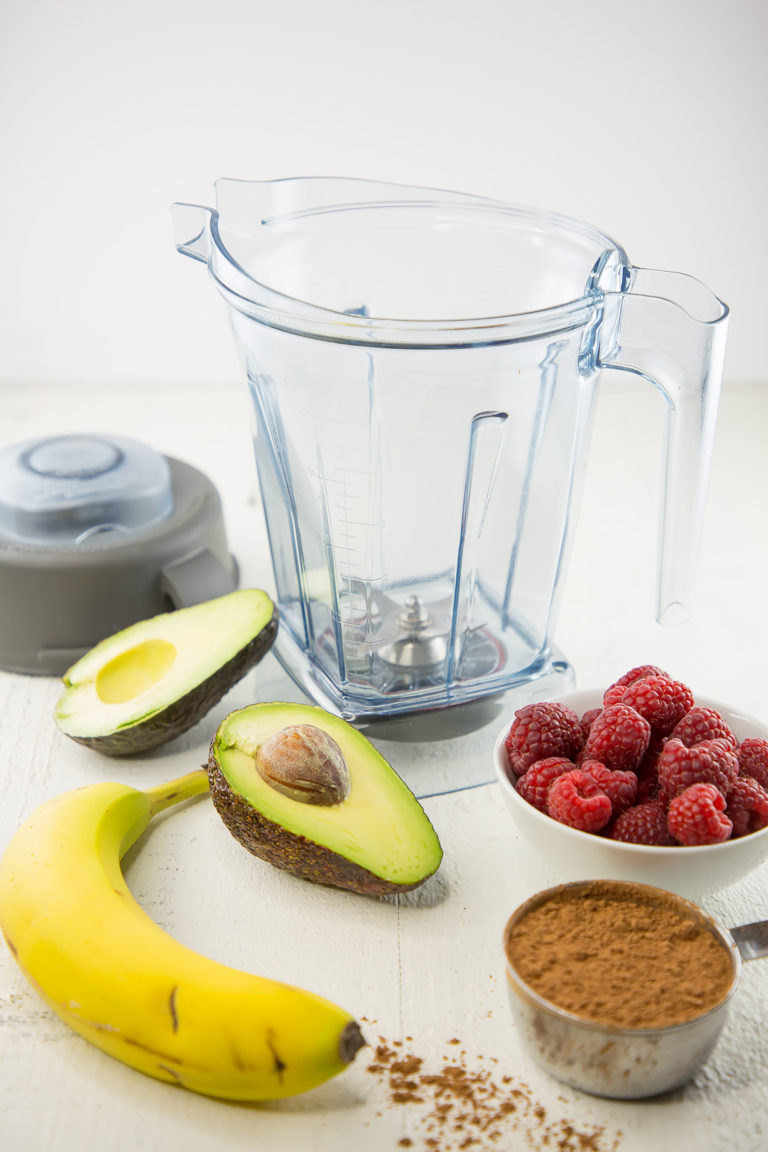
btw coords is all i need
(648, 119)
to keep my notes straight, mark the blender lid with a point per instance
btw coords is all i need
(64, 489)
(98, 532)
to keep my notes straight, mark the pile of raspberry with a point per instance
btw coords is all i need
(648, 767)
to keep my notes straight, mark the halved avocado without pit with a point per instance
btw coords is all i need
(153, 680)
(308, 793)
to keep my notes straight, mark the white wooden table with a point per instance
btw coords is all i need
(423, 973)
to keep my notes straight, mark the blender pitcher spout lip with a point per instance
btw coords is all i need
(192, 230)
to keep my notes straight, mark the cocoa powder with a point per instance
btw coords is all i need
(620, 954)
(469, 1106)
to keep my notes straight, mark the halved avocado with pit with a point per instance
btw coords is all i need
(366, 832)
(152, 681)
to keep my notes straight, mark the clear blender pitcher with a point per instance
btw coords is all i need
(422, 366)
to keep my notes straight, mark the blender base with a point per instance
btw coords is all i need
(436, 749)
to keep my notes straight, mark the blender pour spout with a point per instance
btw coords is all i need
(191, 229)
(670, 329)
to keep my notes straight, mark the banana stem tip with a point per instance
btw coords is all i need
(164, 796)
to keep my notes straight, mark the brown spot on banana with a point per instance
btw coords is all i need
(172, 1006)
(172, 1073)
(280, 1066)
(152, 1051)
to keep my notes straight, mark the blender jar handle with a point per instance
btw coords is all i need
(670, 329)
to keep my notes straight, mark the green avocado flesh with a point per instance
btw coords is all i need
(378, 840)
(152, 681)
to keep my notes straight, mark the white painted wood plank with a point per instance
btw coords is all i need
(428, 966)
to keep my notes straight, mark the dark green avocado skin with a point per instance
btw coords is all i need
(185, 712)
(283, 849)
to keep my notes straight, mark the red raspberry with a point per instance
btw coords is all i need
(587, 720)
(697, 816)
(702, 724)
(648, 772)
(643, 824)
(619, 738)
(747, 806)
(619, 787)
(542, 730)
(711, 762)
(650, 762)
(648, 787)
(614, 693)
(534, 784)
(575, 799)
(663, 702)
(753, 759)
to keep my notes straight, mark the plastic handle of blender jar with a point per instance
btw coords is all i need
(192, 230)
(670, 329)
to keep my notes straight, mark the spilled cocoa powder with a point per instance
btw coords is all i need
(619, 953)
(456, 1107)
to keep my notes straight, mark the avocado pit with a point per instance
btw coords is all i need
(306, 764)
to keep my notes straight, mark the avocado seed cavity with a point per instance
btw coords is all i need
(305, 763)
(135, 671)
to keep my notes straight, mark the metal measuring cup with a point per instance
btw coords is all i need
(625, 1063)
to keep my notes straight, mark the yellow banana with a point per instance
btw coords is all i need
(125, 985)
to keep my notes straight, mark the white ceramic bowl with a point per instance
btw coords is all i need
(574, 855)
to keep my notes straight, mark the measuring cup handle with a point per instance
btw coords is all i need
(671, 330)
(751, 940)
